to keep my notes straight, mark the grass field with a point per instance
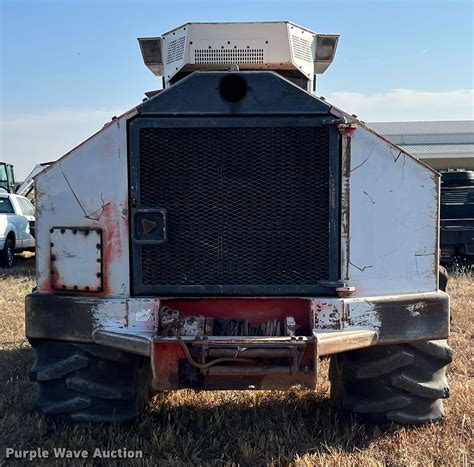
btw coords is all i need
(237, 428)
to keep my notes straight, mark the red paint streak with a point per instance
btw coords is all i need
(165, 361)
(348, 132)
(113, 223)
(45, 287)
(112, 236)
(253, 309)
(108, 148)
(124, 214)
(56, 281)
(166, 356)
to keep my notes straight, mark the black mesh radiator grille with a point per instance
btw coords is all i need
(245, 205)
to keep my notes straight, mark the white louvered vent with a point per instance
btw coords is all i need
(301, 48)
(228, 56)
(176, 50)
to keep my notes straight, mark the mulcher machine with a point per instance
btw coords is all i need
(228, 232)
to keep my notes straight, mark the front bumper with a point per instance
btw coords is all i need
(335, 325)
(398, 318)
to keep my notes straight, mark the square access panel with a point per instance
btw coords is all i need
(76, 259)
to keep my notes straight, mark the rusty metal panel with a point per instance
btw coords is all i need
(396, 318)
(390, 218)
(165, 364)
(76, 259)
(138, 343)
(88, 188)
(53, 317)
(77, 317)
(329, 343)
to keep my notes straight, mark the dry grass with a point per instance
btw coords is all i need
(231, 428)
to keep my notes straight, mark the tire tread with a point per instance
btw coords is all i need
(401, 383)
(88, 383)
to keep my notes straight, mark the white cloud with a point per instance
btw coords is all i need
(32, 138)
(406, 105)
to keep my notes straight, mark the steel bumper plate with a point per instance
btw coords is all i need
(403, 318)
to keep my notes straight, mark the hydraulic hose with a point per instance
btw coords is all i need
(204, 366)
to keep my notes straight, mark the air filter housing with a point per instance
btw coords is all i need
(295, 52)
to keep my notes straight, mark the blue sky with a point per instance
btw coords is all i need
(69, 65)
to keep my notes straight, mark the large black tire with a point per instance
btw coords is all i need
(7, 255)
(393, 383)
(89, 383)
(443, 278)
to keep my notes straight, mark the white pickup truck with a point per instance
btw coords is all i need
(17, 227)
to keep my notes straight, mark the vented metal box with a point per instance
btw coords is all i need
(278, 45)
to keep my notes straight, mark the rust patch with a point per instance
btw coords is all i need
(165, 363)
(407, 319)
(113, 239)
(325, 316)
(113, 222)
(45, 286)
(346, 171)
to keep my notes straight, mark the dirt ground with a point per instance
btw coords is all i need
(233, 427)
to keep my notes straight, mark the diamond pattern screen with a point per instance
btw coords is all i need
(245, 205)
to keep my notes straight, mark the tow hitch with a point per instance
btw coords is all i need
(240, 362)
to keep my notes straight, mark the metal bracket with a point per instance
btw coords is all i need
(347, 129)
(341, 288)
(332, 284)
(327, 343)
(335, 121)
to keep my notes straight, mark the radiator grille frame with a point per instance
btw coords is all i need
(139, 287)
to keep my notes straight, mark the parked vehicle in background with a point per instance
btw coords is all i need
(17, 227)
(457, 216)
(27, 187)
(7, 178)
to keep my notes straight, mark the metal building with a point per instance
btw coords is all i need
(440, 144)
